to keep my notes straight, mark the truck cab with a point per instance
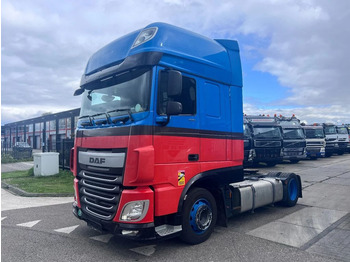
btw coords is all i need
(331, 134)
(343, 139)
(315, 141)
(267, 141)
(294, 143)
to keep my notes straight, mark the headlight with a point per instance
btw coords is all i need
(145, 35)
(134, 211)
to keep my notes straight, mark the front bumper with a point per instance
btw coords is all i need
(290, 155)
(315, 152)
(131, 231)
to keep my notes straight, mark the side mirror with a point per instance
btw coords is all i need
(174, 83)
(78, 92)
(173, 108)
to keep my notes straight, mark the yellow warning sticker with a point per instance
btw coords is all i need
(180, 177)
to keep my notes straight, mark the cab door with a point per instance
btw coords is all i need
(176, 141)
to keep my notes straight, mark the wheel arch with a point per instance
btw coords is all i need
(213, 181)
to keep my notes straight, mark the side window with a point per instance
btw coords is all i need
(187, 98)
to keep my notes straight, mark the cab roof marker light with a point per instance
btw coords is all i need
(144, 36)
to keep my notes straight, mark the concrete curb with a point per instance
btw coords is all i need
(20, 192)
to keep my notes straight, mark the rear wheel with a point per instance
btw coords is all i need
(291, 191)
(199, 216)
(294, 161)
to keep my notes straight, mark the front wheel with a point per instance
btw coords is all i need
(198, 217)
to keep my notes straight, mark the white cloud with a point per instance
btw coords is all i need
(45, 45)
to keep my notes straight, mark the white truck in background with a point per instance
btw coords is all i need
(315, 141)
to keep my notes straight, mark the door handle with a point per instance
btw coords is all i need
(193, 157)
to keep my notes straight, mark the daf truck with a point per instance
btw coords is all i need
(294, 143)
(159, 143)
(315, 141)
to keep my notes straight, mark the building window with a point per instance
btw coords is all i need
(62, 123)
(53, 125)
(68, 122)
(37, 127)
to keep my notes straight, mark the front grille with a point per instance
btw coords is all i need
(266, 153)
(315, 143)
(294, 144)
(99, 193)
(100, 186)
(267, 143)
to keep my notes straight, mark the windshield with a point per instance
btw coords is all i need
(330, 130)
(342, 130)
(267, 132)
(290, 123)
(314, 133)
(293, 133)
(131, 96)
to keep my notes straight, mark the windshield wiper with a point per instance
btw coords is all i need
(102, 122)
(121, 110)
(92, 118)
(86, 124)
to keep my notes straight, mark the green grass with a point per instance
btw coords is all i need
(8, 158)
(25, 180)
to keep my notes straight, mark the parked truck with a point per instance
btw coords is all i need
(343, 139)
(159, 144)
(315, 141)
(330, 132)
(266, 139)
(294, 143)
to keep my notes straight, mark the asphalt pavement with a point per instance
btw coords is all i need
(316, 229)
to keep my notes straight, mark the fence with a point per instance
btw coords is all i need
(63, 147)
(16, 152)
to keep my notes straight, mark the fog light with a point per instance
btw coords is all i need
(130, 232)
(134, 211)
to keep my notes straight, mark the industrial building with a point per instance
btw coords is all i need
(43, 132)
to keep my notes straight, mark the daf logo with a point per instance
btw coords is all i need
(97, 160)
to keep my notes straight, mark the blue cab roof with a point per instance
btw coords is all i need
(182, 50)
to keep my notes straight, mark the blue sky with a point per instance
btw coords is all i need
(294, 53)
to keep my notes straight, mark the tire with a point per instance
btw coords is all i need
(198, 217)
(291, 191)
(313, 158)
(340, 153)
(294, 161)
